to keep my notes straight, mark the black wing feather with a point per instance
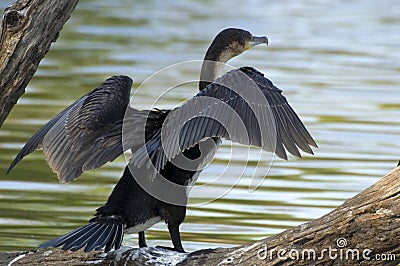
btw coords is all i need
(268, 119)
(37, 139)
(85, 135)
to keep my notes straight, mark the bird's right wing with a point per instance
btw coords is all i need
(242, 106)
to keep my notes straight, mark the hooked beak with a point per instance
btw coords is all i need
(258, 40)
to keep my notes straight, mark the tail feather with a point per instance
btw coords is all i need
(77, 239)
(116, 240)
(96, 242)
(107, 237)
(90, 235)
(94, 236)
(119, 236)
(56, 242)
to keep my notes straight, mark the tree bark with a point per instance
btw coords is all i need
(364, 230)
(27, 31)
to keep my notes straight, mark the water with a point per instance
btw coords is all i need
(337, 62)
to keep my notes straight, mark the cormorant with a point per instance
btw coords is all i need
(88, 134)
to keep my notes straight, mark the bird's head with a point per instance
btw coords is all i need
(226, 45)
(232, 42)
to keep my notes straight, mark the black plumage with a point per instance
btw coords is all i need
(259, 105)
(89, 133)
(86, 134)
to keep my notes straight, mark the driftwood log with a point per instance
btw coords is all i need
(27, 30)
(364, 230)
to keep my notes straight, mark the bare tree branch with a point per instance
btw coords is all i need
(27, 30)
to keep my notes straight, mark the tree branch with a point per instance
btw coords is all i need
(27, 30)
(365, 230)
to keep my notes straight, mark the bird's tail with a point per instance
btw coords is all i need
(93, 236)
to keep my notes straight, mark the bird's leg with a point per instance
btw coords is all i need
(174, 217)
(142, 240)
(176, 237)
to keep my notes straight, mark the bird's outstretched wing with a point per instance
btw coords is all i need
(242, 106)
(86, 134)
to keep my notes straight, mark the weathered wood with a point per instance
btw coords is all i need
(356, 233)
(28, 28)
(368, 223)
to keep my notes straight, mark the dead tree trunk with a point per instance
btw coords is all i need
(27, 31)
(365, 230)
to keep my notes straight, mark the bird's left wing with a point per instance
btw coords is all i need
(86, 134)
(242, 106)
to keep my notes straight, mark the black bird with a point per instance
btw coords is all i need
(88, 134)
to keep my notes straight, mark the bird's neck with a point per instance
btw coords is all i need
(212, 67)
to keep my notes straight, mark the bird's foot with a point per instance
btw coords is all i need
(172, 249)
